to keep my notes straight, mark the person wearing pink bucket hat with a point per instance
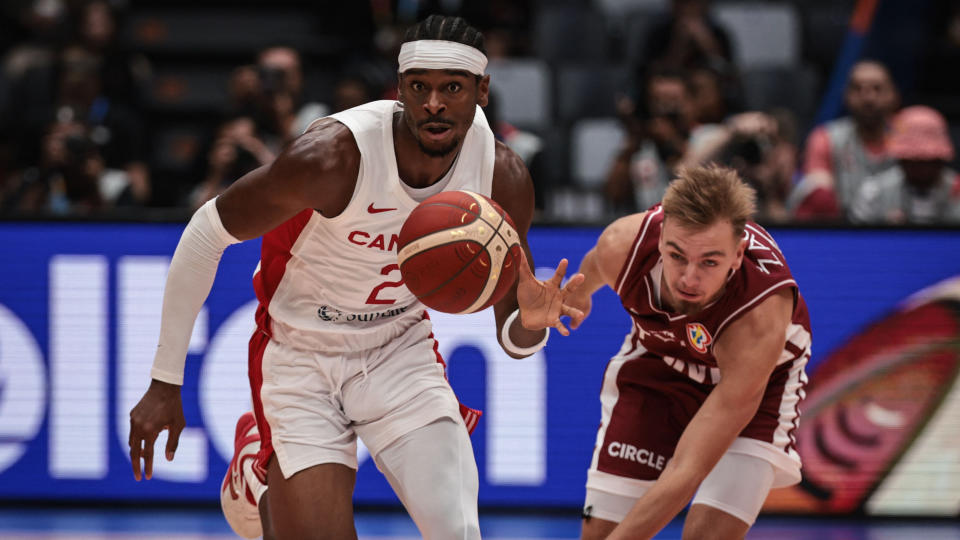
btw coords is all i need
(921, 188)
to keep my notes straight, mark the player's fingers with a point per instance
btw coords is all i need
(573, 283)
(148, 458)
(572, 312)
(577, 318)
(575, 322)
(557, 278)
(561, 328)
(135, 444)
(173, 439)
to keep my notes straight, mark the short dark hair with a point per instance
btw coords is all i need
(446, 28)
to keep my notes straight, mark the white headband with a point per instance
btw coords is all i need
(440, 54)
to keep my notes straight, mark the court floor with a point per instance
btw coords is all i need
(207, 524)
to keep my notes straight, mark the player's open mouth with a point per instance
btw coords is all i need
(437, 132)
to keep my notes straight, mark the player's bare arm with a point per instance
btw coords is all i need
(602, 264)
(746, 354)
(542, 303)
(318, 170)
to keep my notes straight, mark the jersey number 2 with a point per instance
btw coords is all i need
(375, 293)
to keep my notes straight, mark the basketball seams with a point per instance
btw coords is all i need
(498, 243)
(467, 210)
(432, 241)
(423, 249)
(497, 258)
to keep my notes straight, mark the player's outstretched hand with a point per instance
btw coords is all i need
(160, 408)
(542, 303)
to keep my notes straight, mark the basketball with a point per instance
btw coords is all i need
(459, 252)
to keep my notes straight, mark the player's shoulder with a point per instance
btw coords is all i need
(623, 229)
(327, 146)
(320, 167)
(617, 239)
(507, 164)
(512, 185)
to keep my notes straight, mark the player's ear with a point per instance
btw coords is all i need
(400, 87)
(483, 90)
(741, 249)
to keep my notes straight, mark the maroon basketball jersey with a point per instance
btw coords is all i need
(686, 342)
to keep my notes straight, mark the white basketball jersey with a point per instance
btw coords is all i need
(334, 283)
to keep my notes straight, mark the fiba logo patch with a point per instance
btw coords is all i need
(698, 337)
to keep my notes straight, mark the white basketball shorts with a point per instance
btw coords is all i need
(314, 405)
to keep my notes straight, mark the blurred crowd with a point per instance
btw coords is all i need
(79, 123)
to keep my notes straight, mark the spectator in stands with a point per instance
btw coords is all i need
(272, 92)
(506, 24)
(921, 188)
(236, 151)
(73, 91)
(715, 90)
(714, 96)
(350, 91)
(31, 33)
(679, 120)
(841, 154)
(688, 36)
(761, 147)
(656, 137)
(71, 177)
(281, 83)
(124, 75)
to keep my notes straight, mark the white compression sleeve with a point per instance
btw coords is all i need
(189, 280)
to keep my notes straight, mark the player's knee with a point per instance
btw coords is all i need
(452, 526)
(450, 512)
(708, 523)
(450, 517)
(596, 529)
(696, 529)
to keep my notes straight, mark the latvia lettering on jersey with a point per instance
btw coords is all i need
(334, 284)
(685, 342)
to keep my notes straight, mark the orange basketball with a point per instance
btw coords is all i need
(459, 252)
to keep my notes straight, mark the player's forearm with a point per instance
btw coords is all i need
(593, 276)
(658, 506)
(189, 281)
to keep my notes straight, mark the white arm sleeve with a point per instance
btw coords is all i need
(191, 274)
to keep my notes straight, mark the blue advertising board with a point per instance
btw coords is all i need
(79, 318)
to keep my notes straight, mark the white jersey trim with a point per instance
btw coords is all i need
(751, 303)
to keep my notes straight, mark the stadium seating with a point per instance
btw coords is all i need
(525, 87)
(594, 143)
(570, 34)
(589, 90)
(763, 34)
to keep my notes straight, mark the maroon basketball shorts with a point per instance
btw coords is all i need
(647, 401)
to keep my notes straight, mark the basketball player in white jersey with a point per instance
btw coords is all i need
(342, 349)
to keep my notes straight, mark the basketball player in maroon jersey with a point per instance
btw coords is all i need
(329, 209)
(703, 397)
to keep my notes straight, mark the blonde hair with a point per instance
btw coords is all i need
(702, 196)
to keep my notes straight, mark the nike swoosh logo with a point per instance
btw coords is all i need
(373, 210)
